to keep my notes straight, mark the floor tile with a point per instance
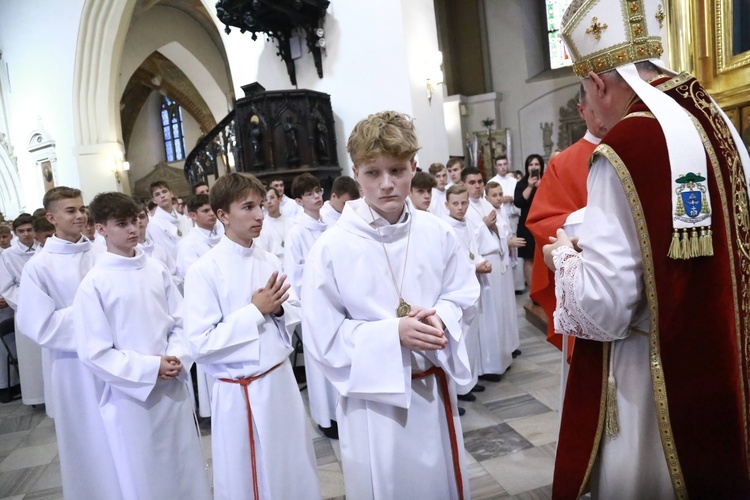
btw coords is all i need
(521, 471)
(495, 441)
(542, 493)
(537, 429)
(29, 456)
(19, 481)
(331, 480)
(50, 478)
(517, 407)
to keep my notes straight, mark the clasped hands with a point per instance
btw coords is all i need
(422, 330)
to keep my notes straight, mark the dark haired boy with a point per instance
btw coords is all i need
(12, 262)
(437, 204)
(42, 230)
(200, 187)
(128, 323)
(287, 206)
(202, 238)
(47, 290)
(167, 227)
(420, 194)
(344, 189)
(306, 228)
(454, 168)
(240, 315)
(5, 237)
(154, 251)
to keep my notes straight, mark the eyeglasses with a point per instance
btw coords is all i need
(313, 193)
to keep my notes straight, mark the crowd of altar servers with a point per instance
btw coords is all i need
(173, 236)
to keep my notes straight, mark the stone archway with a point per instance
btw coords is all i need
(96, 116)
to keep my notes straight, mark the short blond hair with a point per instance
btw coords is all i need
(387, 133)
(456, 189)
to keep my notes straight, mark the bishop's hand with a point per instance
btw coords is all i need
(269, 299)
(561, 240)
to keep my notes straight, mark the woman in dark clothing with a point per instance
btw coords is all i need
(523, 197)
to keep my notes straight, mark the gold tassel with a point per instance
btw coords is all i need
(613, 419)
(684, 247)
(674, 247)
(709, 243)
(695, 245)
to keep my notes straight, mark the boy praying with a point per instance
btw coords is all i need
(240, 316)
(128, 322)
(385, 300)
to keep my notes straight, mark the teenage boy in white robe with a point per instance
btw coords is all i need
(274, 235)
(437, 203)
(202, 238)
(287, 205)
(506, 289)
(497, 347)
(344, 188)
(167, 227)
(153, 251)
(6, 312)
(128, 321)
(12, 262)
(470, 236)
(454, 168)
(420, 194)
(306, 229)
(48, 287)
(385, 298)
(240, 316)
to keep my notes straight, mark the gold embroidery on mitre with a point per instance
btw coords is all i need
(638, 44)
(660, 15)
(596, 28)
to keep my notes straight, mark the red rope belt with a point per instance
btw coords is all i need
(440, 376)
(244, 382)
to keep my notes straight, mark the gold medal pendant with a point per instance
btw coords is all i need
(403, 308)
(471, 255)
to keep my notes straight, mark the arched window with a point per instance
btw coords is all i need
(174, 136)
(558, 54)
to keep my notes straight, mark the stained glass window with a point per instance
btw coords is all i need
(558, 54)
(174, 135)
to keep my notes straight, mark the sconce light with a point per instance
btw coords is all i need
(434, 74)
(118, 167)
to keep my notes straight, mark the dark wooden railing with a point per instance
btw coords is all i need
(212, 153)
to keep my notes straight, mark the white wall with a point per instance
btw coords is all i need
(372, 63)
(38, 41)
(514, 46)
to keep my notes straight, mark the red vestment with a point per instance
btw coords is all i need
(561, 192)
(699, 310)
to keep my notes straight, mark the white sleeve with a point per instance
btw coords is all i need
(38, 317)
(598, 291)
(215, 338)
(8, 284)
(132, 373)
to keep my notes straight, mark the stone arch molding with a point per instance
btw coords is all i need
(10, 183)
(101, 37)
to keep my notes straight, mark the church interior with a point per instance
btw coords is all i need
(108, 95)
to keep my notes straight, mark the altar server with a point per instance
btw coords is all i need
(385, 298)
(48, 286)
(239, 330)
(128, 321)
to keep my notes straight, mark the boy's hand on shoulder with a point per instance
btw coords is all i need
(269, 299)
(422, 330)
(169, 367)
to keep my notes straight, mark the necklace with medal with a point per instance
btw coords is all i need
(464, 243)
(403, 308)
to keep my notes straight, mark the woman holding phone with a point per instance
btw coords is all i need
(523, 197)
